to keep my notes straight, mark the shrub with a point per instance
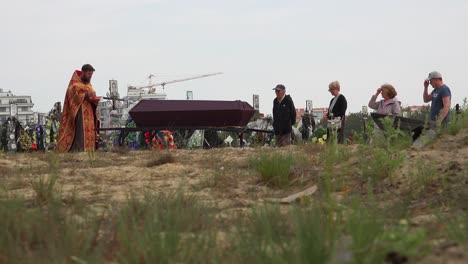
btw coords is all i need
(457, 122)
(457, 227)
(377, 163)
(297, 236)
(365, 226)
(49, 234)
(44, 189)
(274, 169)
(163, 229)
(375, 237)
(422, 175)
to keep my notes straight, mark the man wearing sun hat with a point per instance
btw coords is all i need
(284, 116)
(440, 98)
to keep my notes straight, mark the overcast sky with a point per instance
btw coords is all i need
(256, 44)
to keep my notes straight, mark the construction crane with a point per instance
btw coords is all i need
(152, 87)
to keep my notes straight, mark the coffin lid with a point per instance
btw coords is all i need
(191, 113)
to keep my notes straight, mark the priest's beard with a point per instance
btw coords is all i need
(85, 80)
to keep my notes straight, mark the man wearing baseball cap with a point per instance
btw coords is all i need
(284, 116)
(440, 98)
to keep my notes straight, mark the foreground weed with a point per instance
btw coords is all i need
(52, 161)
(457, 228)
(50, 234)
(403, 240)
(365, 226)
(458, 121)
(44, 189)
(91, 157)
(378, 163)
(298, 236)
(333, 155)
(163, 229)
(317, 230)
(263, 238)
(375, 236)
(274, 169)
(422, 177)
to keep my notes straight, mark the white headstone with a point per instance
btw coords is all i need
(364, 110)
(256, 102)
(228, 141)
(113, 88)
(189, 95)
(13, 110)
(309, 105)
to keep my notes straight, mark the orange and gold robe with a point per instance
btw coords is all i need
(74, 100)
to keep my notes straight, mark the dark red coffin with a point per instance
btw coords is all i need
(191, 113)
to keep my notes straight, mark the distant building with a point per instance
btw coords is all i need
(320, 113)
(18, 105)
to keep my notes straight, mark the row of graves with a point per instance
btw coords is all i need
(215, 125)
(258, 132)
(18, 137)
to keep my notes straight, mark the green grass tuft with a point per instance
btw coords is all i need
(274, 169)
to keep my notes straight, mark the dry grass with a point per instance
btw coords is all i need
(120, 150)
(226, 182)
(160, 160)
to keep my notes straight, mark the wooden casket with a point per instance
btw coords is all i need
(188, 114)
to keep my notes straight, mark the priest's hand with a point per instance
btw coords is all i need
(92, 98)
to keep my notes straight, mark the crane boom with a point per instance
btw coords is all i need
(189, 78)
(178, 80)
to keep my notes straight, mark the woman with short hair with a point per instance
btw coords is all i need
(337, 109)
(389, 105)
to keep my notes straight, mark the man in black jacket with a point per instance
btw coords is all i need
(284, 116)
